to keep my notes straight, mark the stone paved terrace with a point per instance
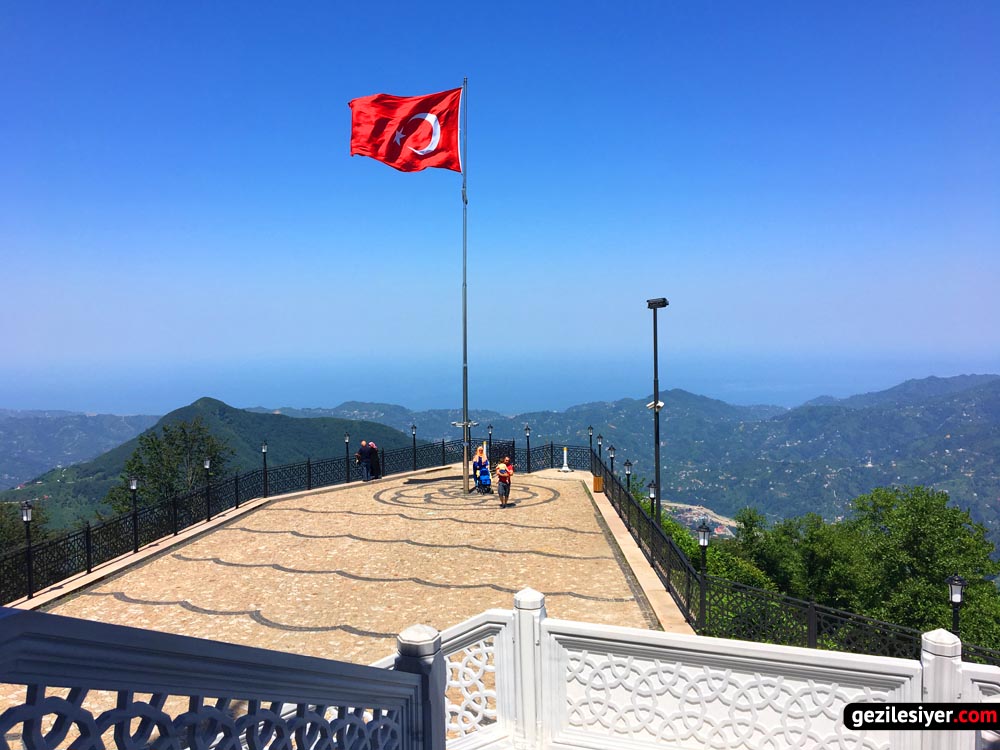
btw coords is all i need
(337, 573)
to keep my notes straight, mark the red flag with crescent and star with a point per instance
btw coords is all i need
(409, 133)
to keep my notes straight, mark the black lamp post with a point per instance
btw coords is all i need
(651, 488)
(413, 430)
(263, 453)
(133, 485)
(628, 477)
(527, 439)
(208, 491)
(600, 449)
(611, 453)
(956, 593)
(704, 532)
(590, 434)
(26, 507)
(489, 434)
(654, 305)
(347, 457)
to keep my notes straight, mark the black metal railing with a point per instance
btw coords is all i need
(735, 610)
(61, 557)
(731, 610)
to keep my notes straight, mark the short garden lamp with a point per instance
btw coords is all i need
(590, 433)
(208, 491)
(263, 455)
(704, 532)
(956, 593)
(628, 476)
(26, 507)
(133, 485)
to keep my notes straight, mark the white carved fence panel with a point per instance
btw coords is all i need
(626, 688)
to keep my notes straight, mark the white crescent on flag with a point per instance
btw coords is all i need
(435, 133)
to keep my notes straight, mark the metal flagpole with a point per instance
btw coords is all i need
(465, 321)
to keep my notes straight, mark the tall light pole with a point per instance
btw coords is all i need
(26, 508)
(413, 429)
(656, 405)
(133, 485)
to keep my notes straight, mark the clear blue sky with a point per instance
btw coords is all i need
(815, 187)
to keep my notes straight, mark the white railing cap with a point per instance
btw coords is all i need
(419, 640)
(528, 598)
(941, 642)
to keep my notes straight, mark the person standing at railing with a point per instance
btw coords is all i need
(376, 467)
(364, 458)
(505, 470)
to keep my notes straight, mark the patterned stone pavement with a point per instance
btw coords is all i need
(337, 574)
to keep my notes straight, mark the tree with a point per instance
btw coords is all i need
(888, 560)
(914, 540)
(170, 463)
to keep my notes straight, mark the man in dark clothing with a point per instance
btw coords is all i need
(364, 456)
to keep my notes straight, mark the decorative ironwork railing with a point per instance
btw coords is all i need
(714, 606)
(61, 557)
(726, 609)
(99, 686)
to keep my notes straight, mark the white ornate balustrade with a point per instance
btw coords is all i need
(519, 679)
(504, 679)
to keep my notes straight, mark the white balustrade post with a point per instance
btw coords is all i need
(941, 658)
(529, 611)
(419, 652)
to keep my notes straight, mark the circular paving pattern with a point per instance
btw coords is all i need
(454, 497)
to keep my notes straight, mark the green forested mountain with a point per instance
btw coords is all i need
(74, 493)
(940, 432)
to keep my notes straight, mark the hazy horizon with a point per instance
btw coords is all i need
(158, 391)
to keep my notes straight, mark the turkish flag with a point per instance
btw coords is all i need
(409, 133)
